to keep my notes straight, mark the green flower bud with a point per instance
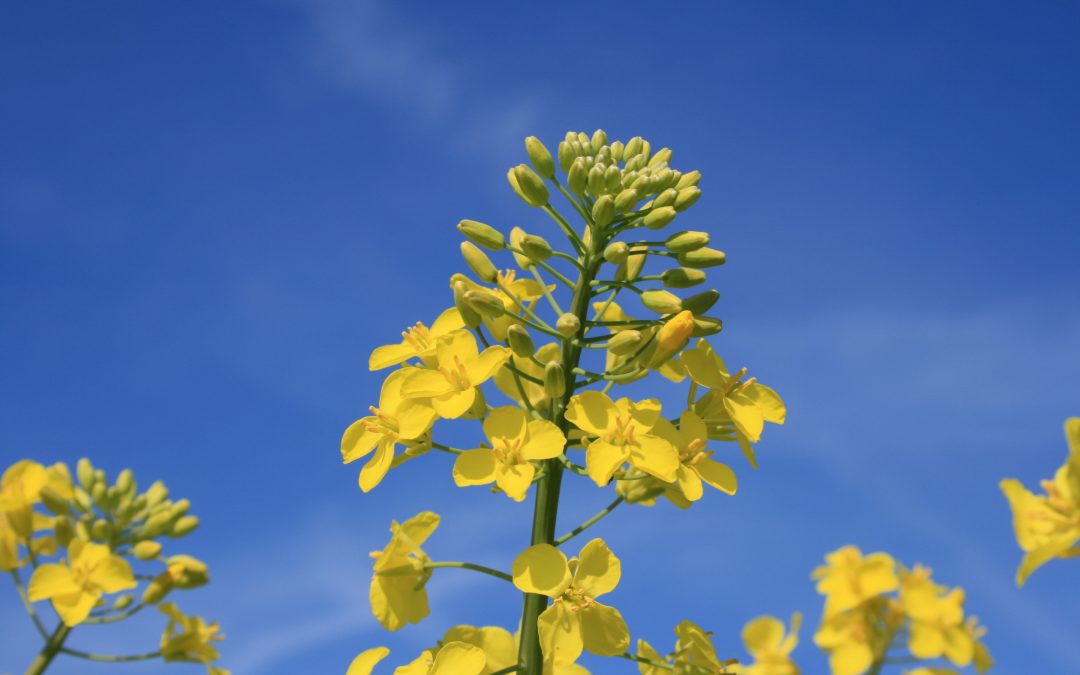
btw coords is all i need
(179, 508)
(83, 501)
(624, 203)
(603, 211)
(125, 482)
(54, 502)
(687, 197)
(702, 257)
(662, 156)
(85, 471)
(625, 342)
(596, 181)
(665, 198)
(486, 303)
(612, 179)
(100, 493)
(520, 341)
(642, 491)
(516, 236)
(631, 267)
(540, 157)
(478, 262)
(554, 380)
(100, 530)
(688, 180)
(599, 139)
(705, 326)
(584, 139)
(617, 150)
(659, 217)
(687, 240)
(123, 602)
(156, 494)
(185, 525)
(64, 531)
(682, 277)
(468, 315)
(536, 247)
(484, 235)
(661, 302)
(699, 303)
(616, 252)
(568, 324)
(99, 476)
(578, 177)
(566, 156)
(528, 185)
(646, 149)
(147, 549)
(633, 147)
(157, 524)
(157, 589)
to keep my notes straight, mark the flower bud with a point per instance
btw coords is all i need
(702, 257)
(100, 494)
(484, 235)
(661, 302)
(123, 602)
(528, 185)
(659, 217)
(486, 303)
(540, 157)
(625, 201)
(100, 530)
(682, 277)
(642, 491)
(566, 156)
(188, 572)
(631, 267)
(688, 180)
(516, 235)
(568, 324)
(64, 531)
(687, 197)
(157, 589)
(125, 481)
(687, 240)
(520, 341)
(646, 149)
(665, 198)
(147, 549)
(536, 247)
(599, 139)
(54, 502)
(469, 316)
(633, 147)
(157, 524)
(673, 336)
(706, 325)
(185, 525)
(578, 176)
(603, 211)
(82, 501)
(596, 181)
(554, 380)
(699, 303)
(85, 472)
(612, 179)
(617, 150)
(478, 262)
(662, 156)
(179, 508)
(616, 252)
(156, 494)
(625, 342)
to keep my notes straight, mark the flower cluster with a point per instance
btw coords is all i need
(1048, 525)
(90, 544)
(533, 347)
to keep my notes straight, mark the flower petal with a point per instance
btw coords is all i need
(508, 422)
(560, 634)
(718, 475)
(598, 570)
(454, 404)
(414, 417)
(390, 355)
(424, 383)
(357, 441)
(592, 412)
(545, 441)
(73, 609)
(603, 630)
(763, 636)
(689, 483)
(375, 470)
(542, 569)
(603, 458)
(475, 467)
(112, 575)
(51, 580)
(480, 369)
(655, 456)
(454, 347)
(515, 479)
(367, 660)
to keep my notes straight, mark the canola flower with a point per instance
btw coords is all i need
(75, 586)
(453, 386)
(770, 644)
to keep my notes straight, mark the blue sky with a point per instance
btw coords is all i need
(210, 213)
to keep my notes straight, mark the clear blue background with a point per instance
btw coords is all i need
(211, 212)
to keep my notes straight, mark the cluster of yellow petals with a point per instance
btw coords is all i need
(770, 643)
(1047, 526)
(398, 596)
(23, 486)
(516, 442)
(694, 654)
(75, 586)
(190, 639)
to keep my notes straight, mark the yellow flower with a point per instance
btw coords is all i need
(416, 342)
(849, 579)
(516, 442)
(396, 420)
(694, 654)
(526, 291)
(189, 639)
(507, 383)
(765, 640)
(21, 487)
(623, 432)
(1048, 526)
(398, 596)
(491, 649)
(575, 620)
(454, 385)
(695, 462)
(732, 406)
(75, 587)
(937, 619)
(848, 639)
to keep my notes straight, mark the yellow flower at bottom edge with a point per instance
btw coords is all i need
(497, 646)
(694, 650)
(189, 639)
(766, 641)
(74, 588)
(847, 638)
(397, 593)
(516, 442)
(454, 385)
(575, 620)
(937, 619)
(848, 579)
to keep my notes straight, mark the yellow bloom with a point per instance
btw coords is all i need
(507, 383)
(454, 385)
(622, 432)
(491, 649)
(849, 579)
(525, 291)
(516, 441)
(732, 406)
(397, 595)
(21, 487)
(695, 462)
(765, 640)
(366, 661)
(75, 587)
(189, 639)
(695, 652)
(416, 342)
(1047, 526)
(849, 641)
(396, 420)
(575, 620)
(937, 619)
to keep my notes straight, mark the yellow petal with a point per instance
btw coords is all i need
(645, 413)
(592, 412)
(112, 575)
(73, 609)
(598, 570)
(51, 580)
(1041, 555)
(655, 456)
(390, 395)
(396, 601)
(366, 661)
(545, 441)
(480, 369)
(449, 320)
(851, 658)
(419, 527)
(692, 426)
(603, 630)
(414, 417)
(357, 440)
(704, 366)
(457, 346)
(474, 467)
(689, 483)
(926, 641)
(508, 422)
(515, 479)
(458, 658)
(602, 459)
(542, 569)
(769, 402)
(746, 415)
(719, 476)
(763, 636)
(560, 634)
(375, 470)
(646, 651)
(390, 355)
(747, 449)
(455, 403)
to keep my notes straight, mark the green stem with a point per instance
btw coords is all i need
(446, 448)
(52, 647)
(547, 293)
(575, 240)
(588, 523)
(469, 566)
(116, 617)
(640, 659)
(109, 658)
